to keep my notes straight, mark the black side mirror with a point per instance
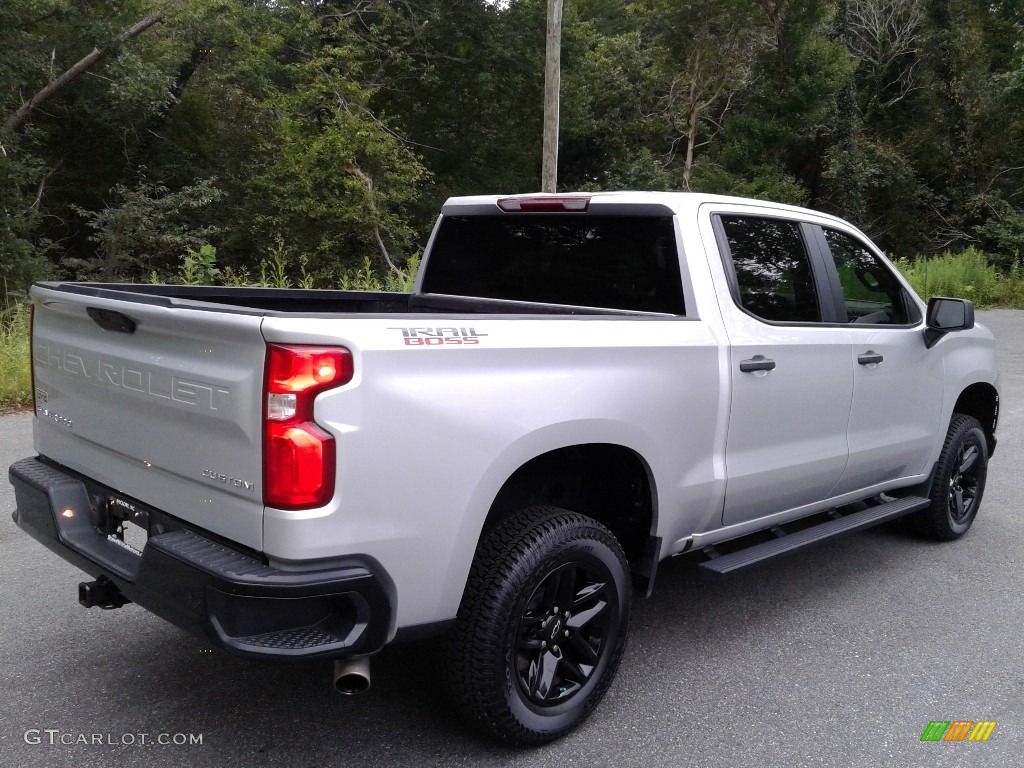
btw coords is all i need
(947, 315)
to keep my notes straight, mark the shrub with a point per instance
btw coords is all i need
(15, 373)
(969, 275)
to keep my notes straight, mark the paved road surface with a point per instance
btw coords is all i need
(837, 658)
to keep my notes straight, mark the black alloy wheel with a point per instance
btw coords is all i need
(963, 482)
(562, 634)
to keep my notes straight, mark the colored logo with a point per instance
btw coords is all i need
(958, 730)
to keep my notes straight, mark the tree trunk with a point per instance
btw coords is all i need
(693, 108)
(20, 117)
(149, 134)
(691, 141)
(354, 170)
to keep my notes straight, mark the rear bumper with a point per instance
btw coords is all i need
(233, 599)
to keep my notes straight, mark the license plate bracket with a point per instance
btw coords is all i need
(129, 521)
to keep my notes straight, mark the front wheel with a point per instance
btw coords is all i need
(541, 627)
(958, 483)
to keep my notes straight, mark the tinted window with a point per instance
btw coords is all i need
(614, 262)
(871, 293)
(773, 271)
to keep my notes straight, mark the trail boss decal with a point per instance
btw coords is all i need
(438, 337)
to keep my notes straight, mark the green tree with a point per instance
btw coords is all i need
(330, 175)
(779, 132)
(148, 228)
(335, 128)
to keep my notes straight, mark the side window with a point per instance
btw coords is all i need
(773, 270)
(871, 293)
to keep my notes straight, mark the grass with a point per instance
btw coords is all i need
(967, 275)
(15, 375)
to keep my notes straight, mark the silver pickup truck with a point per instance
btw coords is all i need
(578, 387)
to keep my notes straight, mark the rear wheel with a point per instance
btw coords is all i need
(541, 627)
(959, 481)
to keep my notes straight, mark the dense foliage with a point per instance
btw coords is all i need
(322, 133)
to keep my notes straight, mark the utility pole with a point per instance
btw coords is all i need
(552, 85)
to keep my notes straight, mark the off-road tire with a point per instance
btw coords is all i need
(958, 482)
(541, 627)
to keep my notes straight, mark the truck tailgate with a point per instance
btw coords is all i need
(156, 399)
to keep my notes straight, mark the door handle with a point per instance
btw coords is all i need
(869, 358)
(758, 363)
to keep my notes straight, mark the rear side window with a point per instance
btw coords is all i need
(871, 293)
(612, 262)
(773, 270)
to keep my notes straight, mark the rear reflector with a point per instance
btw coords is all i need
(545, 204)
(298, 456)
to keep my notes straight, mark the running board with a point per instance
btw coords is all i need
(723, 565)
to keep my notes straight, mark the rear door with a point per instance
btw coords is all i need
(159, 399)
(792, 374)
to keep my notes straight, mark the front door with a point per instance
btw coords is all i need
(898, 381)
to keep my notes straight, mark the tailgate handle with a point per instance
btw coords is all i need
(109, 320)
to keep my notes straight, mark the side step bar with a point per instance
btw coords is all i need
(723, 565)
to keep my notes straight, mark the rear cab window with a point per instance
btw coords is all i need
(620, 262)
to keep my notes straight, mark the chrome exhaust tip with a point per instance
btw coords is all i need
(352, 676)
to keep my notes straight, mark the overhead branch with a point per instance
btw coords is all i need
(83, 65)
(1005, 170)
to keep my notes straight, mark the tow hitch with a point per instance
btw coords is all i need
(102, 593)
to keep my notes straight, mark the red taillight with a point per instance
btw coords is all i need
(298, 456)
(545, 204)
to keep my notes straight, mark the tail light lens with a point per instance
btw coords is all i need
(298, 456)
